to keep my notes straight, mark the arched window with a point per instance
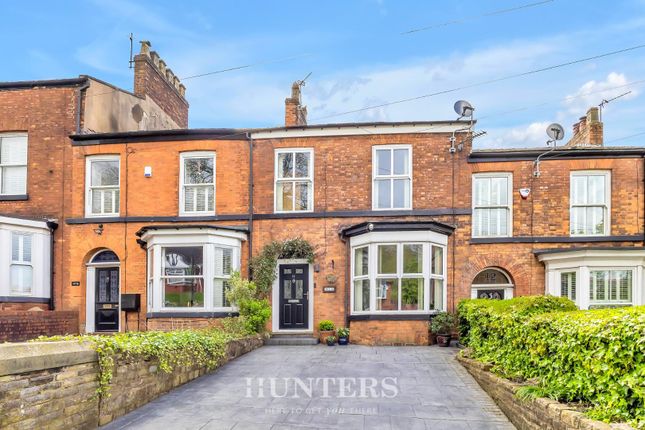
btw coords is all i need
(105, 256)
(492, 283)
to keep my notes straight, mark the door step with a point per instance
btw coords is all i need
(292, 339)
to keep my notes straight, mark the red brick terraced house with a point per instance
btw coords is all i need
(406, 218)
(36, 120)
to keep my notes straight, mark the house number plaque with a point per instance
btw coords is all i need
(76, 283)
(329, 289)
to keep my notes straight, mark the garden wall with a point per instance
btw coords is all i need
(20, 325)
(53, 384)
(536, 414)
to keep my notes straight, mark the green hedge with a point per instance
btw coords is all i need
(594, 357)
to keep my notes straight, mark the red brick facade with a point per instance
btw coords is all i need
(17, 326)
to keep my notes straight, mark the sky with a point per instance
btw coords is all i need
(359, 55)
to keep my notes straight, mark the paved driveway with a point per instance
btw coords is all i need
(283, 387)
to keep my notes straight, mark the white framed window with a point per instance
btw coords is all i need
(294, 180)
(13, 164)
(102, 180)
(391, 177)
(590, 199)
(403, 277)
(190, 269)
(222, 268)
(492, 205)
(197, 183)
(182, 276)
(568, 285)
(610, 287)
(21, 266)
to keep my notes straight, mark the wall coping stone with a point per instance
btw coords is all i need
(560, 414)
(32, 356)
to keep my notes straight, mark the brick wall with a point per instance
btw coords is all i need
(17, 326)
(14, 306)
(54, 385)
(533, 414)
(151, 81)
(389, 332)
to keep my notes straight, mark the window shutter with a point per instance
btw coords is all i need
(13, 150)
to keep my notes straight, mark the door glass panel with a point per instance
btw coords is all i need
(286, 271)
(299, 271)
(114, 286)
(299, 289)
(103, 281)
(286, 286)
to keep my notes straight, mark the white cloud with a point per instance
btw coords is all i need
(591, 93)
(532, 135)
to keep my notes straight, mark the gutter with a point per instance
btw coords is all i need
(52, 225)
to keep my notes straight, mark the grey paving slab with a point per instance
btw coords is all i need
(283, 388)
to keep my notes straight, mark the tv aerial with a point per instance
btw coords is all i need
(556, 133)
(465, 110)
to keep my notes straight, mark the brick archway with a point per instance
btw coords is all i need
(518, 271)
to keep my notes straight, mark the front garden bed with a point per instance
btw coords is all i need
(592, 358)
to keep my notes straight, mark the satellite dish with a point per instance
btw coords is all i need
(555, 131)
(464, 109)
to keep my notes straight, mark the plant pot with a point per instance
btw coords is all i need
(343, 340)
(443, 339)
(331, 342)
(432, 339)
(323, 335)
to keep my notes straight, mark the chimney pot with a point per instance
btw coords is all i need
(162, 67)
(145, 47)
(588, 132)
(576, 128)
(182, 90)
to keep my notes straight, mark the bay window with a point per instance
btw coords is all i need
(25, 267)
(595, 278)
(492, 205)
(590, 197)
(189, 269)
(392, 177)
(102, 178)
(294, 190)
(610, 287)
(197, 183)
(13, 164)
(397, 277)
(21, 268)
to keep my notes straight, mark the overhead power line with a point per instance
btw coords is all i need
(487, 82)
(246, 66)
(474, 17)
(626, 137)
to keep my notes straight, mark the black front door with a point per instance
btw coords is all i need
(294, 296)
(107, 299)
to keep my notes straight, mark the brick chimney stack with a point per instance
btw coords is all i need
(154, 79)
(588, 131)
(294, 112)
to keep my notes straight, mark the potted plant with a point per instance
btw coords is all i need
(326, 328)
(343, 335)
(331, 340)
(443, 325)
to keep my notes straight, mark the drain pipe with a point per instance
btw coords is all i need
(249, 138)
(52, 225)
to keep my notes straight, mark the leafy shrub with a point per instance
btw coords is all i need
(263, 265)
(254, 312)
(326, 325)
(596, 357)
(443, 323)
(479, 313)
(205, 347)
(342, 332)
